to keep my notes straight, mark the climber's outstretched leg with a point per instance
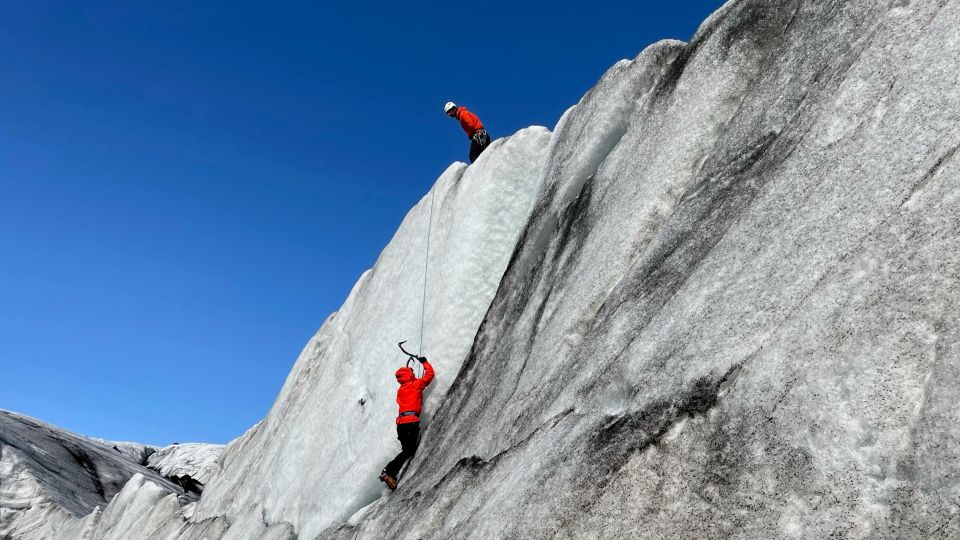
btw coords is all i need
(409, 435)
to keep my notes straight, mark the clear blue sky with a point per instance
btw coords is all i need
(188, 189)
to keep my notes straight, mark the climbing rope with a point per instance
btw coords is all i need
(426, 266)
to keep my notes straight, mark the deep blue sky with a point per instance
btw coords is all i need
(188, 189)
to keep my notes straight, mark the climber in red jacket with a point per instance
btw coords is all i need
(479, 139)
(410, 400)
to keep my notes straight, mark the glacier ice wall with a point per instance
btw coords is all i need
(720, 300)
(741, 317)
(315, 459)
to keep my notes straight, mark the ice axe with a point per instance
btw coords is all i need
(410, 356)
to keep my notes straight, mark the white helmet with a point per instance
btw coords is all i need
(448, 106)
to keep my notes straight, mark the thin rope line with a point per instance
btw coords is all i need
(426, 266)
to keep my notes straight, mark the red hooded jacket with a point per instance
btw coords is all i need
(410, 393)
(468, 121)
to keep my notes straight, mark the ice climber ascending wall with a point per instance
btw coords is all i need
(410, 401)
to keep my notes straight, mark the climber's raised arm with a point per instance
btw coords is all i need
(428, 372)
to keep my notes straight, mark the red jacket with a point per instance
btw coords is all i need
(410, 393)
(469, 121)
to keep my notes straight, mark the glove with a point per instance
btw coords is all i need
(421, 359)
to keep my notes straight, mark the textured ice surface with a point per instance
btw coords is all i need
(142, 510)
(721, 300)
(49, 477)
(135, 452)
(196, 460)
(314, 460)
(744, 322)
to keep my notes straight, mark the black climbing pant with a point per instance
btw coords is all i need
(409, 435)
(478, 143)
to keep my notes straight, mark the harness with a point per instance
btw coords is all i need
(409, 413)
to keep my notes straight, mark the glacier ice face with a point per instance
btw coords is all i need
(196, 460)
(315, 459)
(744, 322)
(720, 300)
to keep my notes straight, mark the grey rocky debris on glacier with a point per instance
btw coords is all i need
(731, 311)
